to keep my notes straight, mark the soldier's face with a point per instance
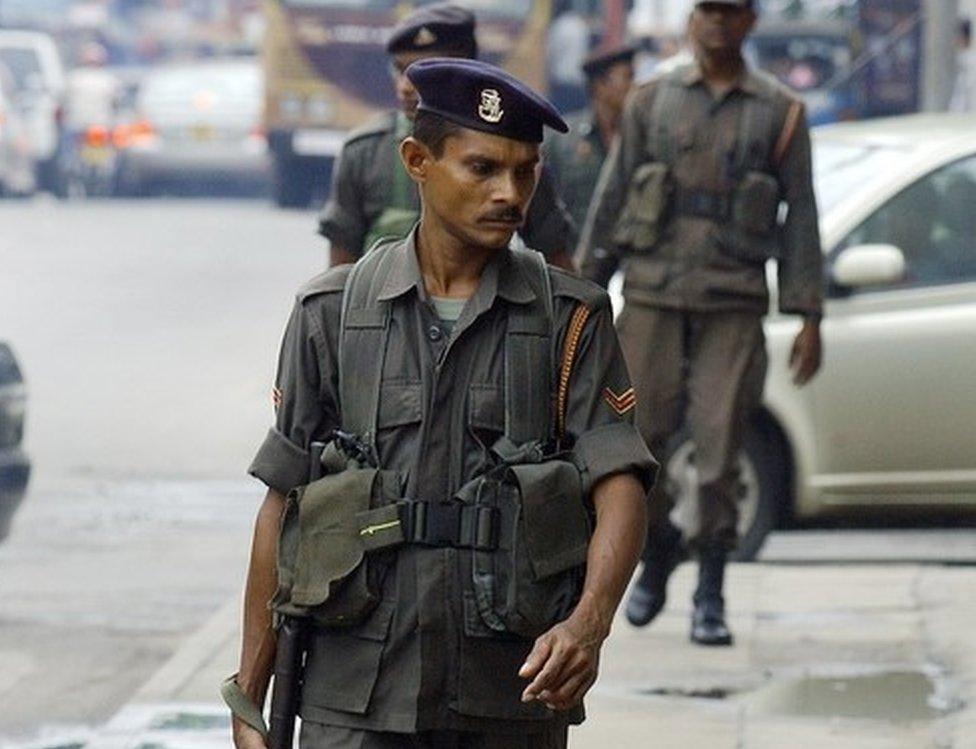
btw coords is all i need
(614, 85)
(718, 27)
(480, 186)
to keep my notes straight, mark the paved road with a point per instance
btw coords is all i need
(149, 329)
(148, 333)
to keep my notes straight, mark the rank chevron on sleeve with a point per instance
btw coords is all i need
(622, 402)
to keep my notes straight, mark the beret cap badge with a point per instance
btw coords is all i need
(491, 106)
(425, 37)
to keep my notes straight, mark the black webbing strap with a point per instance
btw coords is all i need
(362, 348)
(528, 356)
(454, 525)
(753, 146)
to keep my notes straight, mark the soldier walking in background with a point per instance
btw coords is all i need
(372, 197)
(710, 178)
(575, 158)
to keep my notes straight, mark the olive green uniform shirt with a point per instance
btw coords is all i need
(690, 267)
(575, 160)
(423, 660)
(363, 187)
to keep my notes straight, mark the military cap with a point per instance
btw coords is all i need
(435, 27)
(484, 97)
(602, 59)
(736, 3)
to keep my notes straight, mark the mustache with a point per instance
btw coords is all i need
(513, 215)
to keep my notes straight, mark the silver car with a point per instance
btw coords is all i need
(196, 123)
(890, 421)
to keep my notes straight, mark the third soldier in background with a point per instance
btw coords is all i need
(711, 177)
(373, 198)
(575, 158)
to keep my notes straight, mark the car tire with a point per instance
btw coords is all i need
(292, 183)
(764, 475)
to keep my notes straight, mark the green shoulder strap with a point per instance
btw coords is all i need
(529, 385)
(665, 115)
(364, 327)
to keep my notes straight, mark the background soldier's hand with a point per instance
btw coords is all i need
(807, 352)
(246, 737)
(563, 663)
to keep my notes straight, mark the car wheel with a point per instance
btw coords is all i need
(763, 494)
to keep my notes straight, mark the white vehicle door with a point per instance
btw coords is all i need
(895, 404)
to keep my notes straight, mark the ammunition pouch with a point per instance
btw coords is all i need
(752, 234)
(329, 525)
(646, 209)
(533, 577)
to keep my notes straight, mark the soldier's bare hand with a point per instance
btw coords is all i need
(246, 737)
(563, 663)
(807, 352)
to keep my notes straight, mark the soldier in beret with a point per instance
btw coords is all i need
(710, 179)
(458, 342)
(372, 197)
(575, 159)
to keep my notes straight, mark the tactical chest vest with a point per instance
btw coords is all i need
(747, 211)
(521, 528)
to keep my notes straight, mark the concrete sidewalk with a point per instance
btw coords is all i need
(859, 656)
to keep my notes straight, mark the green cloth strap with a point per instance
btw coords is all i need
(241, 706)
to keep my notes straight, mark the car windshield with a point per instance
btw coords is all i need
(840, 168)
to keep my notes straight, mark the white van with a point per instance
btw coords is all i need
(35, 64)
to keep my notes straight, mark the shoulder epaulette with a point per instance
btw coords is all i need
(331, 281)
(377, 126)
(569, 285)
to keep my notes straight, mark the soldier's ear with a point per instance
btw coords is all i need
(416, 158)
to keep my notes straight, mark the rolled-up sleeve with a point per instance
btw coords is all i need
(600, 408)
(305, 403)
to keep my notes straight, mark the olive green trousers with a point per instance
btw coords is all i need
(705, 369)
(318, 736)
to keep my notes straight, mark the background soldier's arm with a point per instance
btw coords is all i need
(596, 256)
(342, 221)
(801, 262)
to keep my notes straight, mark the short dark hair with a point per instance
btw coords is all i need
(432, 130)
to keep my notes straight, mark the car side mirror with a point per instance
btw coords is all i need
(868, 265)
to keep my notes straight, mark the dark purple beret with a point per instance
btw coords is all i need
(484, 97)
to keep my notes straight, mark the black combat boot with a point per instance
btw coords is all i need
(664, 553)
(708, 621)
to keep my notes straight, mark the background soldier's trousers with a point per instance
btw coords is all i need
(706, 368)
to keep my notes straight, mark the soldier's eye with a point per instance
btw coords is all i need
(481, 168)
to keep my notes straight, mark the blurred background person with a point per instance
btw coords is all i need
(568, 44)
(964, 90)
(575, 159)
